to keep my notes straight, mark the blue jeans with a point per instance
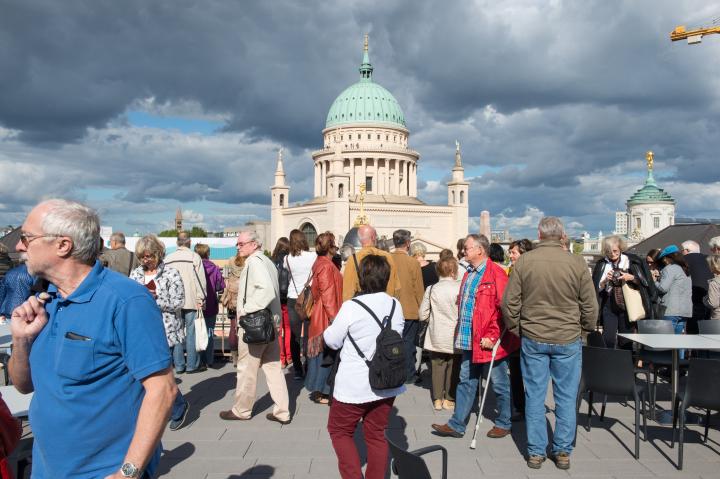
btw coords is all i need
(178, 407)
(466, 395)
(562, 363)
(410, 330)
(678, 323)
(193, 359)
(209, 353)
(316, 376)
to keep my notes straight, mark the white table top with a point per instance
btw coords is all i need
(5, 336)
(17, 403)
(675, 341)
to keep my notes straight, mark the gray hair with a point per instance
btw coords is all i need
(615, 240)
(714, 243)
(691, 246)
(714, 263)
(418, 249)
(480, 240)
(253, 236)
(152, 245)
(118, 237)
(346, 251)
(551, 227)
(184, 239)
(78, 222)
(401, 238)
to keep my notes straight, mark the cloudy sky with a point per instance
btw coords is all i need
(138, 107)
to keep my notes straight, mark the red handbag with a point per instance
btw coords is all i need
(10, 431)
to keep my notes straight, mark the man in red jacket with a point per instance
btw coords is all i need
(479, 328)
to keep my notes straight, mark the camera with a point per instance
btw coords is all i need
(616, 277)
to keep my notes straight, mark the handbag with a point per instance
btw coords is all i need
(258, 327)
(633, 303)
(201, 332)
(304, 303)
(423, 326)
(10, 431)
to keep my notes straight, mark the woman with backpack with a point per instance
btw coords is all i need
(355, 329)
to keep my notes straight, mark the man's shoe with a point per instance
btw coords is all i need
(448, 405)
(437, 405)
(562, 460)
(497, 432)
(272, 417)
(535, 462)
(176, 424)
(177, 373)
(230, 416)
(200, 369)
(445, 431)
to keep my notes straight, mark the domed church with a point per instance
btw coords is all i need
(366, 173)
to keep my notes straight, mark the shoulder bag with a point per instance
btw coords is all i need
(258, 327)
(423, 325)
(201, 332)
(633, 303)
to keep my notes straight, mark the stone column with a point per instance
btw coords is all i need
(316, 190)
(351, 190)
(396, 179)
(363, 172)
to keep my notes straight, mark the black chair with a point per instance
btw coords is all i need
(658, 357)
(409, 464)
(702, 390)
(709, 326)
(611, 371)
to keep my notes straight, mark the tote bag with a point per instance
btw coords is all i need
(201, 332)
(633, 303)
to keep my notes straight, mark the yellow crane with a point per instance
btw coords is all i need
(694, 35)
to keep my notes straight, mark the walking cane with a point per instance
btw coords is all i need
(473, 443)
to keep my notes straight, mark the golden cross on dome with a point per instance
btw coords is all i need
(650, 158)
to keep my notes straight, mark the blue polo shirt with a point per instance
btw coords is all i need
(87, 366)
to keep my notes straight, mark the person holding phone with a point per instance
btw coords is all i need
(166, 286)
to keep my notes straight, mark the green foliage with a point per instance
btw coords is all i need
(168, 234)
(195, 232)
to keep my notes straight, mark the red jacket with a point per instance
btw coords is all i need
(487, 317)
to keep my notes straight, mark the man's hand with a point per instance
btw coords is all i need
(28, 319)
(116, 475)
(486, 343)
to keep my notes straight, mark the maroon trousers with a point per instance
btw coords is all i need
(342, 422)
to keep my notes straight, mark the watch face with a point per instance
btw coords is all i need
(129, 470)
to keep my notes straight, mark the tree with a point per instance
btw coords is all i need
(168, 234)
(195, 232)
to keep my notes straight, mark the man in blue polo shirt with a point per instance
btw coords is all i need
(93, 350)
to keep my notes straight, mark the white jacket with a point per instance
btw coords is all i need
(263, 290)
(443, 321)
(191, 270)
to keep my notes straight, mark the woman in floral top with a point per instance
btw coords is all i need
(166, 286)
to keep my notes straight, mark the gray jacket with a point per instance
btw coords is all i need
(712, 300)
(675, 288)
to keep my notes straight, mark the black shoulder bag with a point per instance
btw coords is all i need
(258, 327)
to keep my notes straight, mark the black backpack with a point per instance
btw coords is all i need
(387, 369)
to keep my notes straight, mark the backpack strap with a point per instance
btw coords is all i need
(388, 318)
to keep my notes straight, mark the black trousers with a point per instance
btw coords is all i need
(298, 342)
(517, 387)
(614, 321)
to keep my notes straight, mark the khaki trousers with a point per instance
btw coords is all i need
(252, 357)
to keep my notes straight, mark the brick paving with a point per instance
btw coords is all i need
(211, 448)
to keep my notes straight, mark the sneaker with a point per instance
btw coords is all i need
(535, 462)
(176, 424)
(561, 460)
(448, 405)
(437, 405)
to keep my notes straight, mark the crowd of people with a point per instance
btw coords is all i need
(355, 325)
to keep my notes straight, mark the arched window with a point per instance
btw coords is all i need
(453, 197)
(282, 199)
(341, 188)
(310, 233)
(462, 197)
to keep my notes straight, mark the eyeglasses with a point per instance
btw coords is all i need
(26, 238)
(240, 245)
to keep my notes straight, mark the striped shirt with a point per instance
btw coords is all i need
(463, 340)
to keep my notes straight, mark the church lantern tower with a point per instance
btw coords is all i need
(458, 190)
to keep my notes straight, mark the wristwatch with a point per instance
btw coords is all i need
(129, 470)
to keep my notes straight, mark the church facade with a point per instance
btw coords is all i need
(365, 163)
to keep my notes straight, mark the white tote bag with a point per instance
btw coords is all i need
(201, 332)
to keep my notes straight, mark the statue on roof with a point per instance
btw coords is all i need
(650, 158)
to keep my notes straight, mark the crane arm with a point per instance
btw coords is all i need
(693, 36)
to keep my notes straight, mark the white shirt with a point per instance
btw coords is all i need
(352, 383)
(299, 268)
(623, 263)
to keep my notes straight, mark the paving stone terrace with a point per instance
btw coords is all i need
(211, 448)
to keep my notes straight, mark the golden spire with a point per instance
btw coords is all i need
(650, 158)
(365, 44)
(362, 218)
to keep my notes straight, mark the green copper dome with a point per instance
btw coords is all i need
(365, 102)
(650, 193)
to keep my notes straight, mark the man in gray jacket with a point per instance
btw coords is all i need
(549, 300)
(258, 289)
(118, 257)
(191, 270)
